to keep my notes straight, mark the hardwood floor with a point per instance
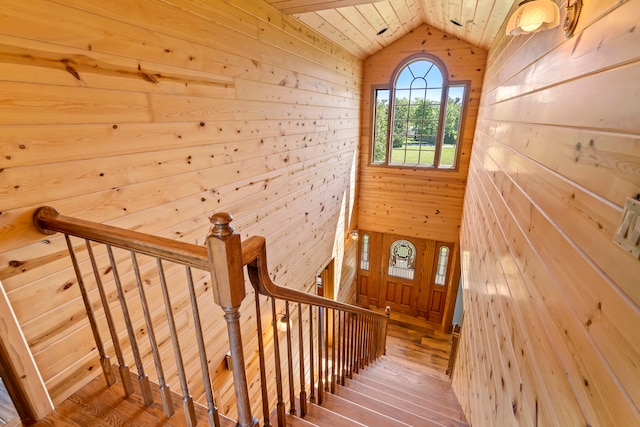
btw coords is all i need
(8, 414)
(414, 339)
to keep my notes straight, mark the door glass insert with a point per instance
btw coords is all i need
(402, 259)
(441, 270)
(364, 252)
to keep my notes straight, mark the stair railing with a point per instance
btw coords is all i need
(342, 338)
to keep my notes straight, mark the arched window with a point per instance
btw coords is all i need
(417, 118)
(364, 252)
(402, 259)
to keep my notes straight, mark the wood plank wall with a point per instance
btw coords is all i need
(550, 333)
(151, 115)
(414, 202)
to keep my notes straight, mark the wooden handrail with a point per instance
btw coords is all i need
(254, 256)
(49, 221)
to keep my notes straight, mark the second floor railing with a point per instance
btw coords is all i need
(314, 343)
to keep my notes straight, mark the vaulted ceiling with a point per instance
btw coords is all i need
(356, 24)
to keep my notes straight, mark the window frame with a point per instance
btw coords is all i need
(446, 86)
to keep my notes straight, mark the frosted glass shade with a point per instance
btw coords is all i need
(533, 16)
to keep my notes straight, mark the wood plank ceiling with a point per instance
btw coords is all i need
(355, 24)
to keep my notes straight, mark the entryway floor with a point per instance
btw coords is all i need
(414, 339)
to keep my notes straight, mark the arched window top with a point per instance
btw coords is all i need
(417, 117)
(419, 74)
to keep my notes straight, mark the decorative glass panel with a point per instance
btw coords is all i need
(451, 136)
(441, 269)
(416, 114)
(364, 253)
(402, 259)
(381, 126)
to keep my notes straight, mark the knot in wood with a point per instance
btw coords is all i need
(221, 226)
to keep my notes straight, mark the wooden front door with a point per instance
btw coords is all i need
(401, 273)
(411, 275)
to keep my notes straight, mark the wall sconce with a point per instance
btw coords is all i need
(354, 234)
(282, 322)
(533, 16)
(227, 361)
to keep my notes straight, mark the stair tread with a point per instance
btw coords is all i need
(409, 402)
(98, 405)
(322, 416)
(359, 413)
(401, 410)
(431, 400)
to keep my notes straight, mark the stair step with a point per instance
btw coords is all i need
(293, 421)
(359, 413)
(322, 416)
(400, 410)
(409, 402)
(97, 405)
(421, 396)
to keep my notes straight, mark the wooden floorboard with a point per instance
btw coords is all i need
(101, 406)
(8, 414)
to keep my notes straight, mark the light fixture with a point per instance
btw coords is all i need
(571, 20)
(533, 16)
(354, 234)
(283, 320)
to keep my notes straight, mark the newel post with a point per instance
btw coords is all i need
(227, 276)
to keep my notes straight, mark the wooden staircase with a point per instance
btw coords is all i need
(400, 389)
(360, 366)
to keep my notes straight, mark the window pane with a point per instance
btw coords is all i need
(441, 269)
(451, 135)
(381, 125)
(402, 258)
(364, 253)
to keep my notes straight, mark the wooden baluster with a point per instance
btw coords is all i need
(123, 368)
(280, 406)
(143, 379)
(227, 276)
(263, 369)
(343, 373)
(363, 353)
(338, 369)
(303, 386)
(165, 392)
(104, 358)
(349, 344)
(326, 350)
(387, 312)
(333, 352)
(361, 341)
(312, 381)
(320, 361)
(367, 340)
(187, 400)
(212, 410)
(292, 392)
(356, 344)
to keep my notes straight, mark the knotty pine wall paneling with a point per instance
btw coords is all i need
(552, 305)
(152, 115)
(413, 202)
